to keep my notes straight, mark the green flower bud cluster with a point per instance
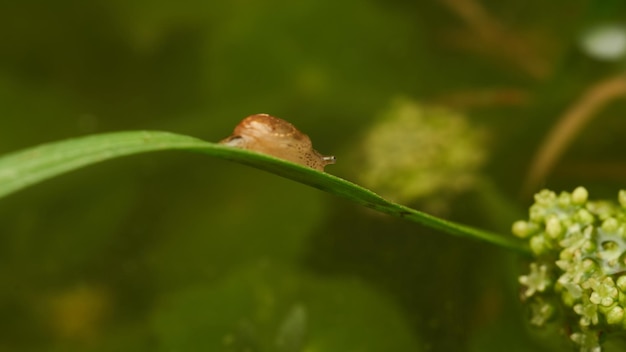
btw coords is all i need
(580, 263)
(422, 153)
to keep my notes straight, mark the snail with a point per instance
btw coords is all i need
(270, 135)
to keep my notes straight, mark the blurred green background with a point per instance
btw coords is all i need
(179, 252)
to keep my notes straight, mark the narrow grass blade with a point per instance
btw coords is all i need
(21, 169)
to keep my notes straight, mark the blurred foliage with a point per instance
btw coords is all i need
(411, 142)
(175, 251)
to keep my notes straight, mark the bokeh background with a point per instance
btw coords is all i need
(452, 106)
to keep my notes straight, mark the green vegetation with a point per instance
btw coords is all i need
(454, 109)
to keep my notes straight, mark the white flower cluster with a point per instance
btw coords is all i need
(580, 263)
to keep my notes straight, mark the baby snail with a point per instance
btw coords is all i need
(270, 135)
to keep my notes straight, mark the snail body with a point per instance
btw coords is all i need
(270, 135)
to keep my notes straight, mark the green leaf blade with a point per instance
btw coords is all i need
(21, 169)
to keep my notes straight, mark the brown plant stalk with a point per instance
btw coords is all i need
(569, 126)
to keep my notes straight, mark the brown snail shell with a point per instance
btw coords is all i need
(270, 135)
